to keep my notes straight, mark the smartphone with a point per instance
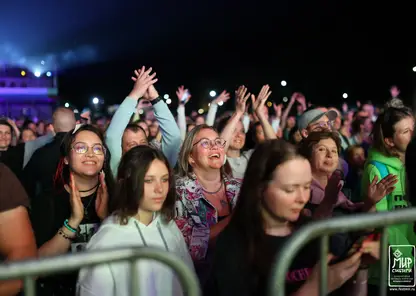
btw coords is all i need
(185, 96)
(354, 247)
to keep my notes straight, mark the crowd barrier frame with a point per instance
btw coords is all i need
(323, 229)
(28, 270)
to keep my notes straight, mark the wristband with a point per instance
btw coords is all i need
(69, 227)
(155, 101)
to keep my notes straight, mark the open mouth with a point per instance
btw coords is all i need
(89, 162)
(216, 155)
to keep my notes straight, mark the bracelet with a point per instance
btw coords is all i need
(69, 227)
(155, 101)
(61, 233)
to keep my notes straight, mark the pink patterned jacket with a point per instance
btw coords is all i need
(195, 214)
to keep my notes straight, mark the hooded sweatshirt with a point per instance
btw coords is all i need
(402, 234)
(156, 279)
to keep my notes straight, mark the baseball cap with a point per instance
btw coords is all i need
(313, 115)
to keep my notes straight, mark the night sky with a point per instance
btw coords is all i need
(321, 48)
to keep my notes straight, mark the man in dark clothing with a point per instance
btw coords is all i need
(39, 173)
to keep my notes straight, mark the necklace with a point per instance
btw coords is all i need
(89, 203)
(212, 192)
(90, 188)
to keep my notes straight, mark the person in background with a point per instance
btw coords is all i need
(17, 241)
(27, 135)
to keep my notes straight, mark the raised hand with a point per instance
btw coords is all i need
(223, 97)
(182, 93)
(143, 80)
(278, 110)
(101, 203)
(377, 191)
(241, 99)
(258, 103)
(77, 208)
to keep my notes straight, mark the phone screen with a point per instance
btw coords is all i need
(185, 96)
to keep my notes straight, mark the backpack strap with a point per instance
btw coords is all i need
(382, 168)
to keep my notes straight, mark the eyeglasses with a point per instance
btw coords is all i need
(208, 144)
(322, 125)
(82, 148)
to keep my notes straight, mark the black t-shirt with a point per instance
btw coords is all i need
(231, 273)
(48, 214)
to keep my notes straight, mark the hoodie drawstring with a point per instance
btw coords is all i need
(160, 233)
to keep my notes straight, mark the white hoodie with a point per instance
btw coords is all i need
(156, 279)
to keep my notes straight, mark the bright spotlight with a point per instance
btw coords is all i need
(168, 101)
(37, 73)
(95, 100)
(283, 83)
(166, 96)
(49, 74)
(67, 105)
(200, 111)
(285, 99)
(212, 93)
(345, 95)
(220, 103)
(414, 69)
(42, 62)
(269, 104)
(23, 73)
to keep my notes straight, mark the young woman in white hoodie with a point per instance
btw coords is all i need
(142, 215)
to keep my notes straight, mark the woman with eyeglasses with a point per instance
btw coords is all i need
(65, 219)
(206, 196)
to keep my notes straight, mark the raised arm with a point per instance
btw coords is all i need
(258, 107)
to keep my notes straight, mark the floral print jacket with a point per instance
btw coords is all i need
(195, 214)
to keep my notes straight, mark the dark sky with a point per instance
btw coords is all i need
(322, 48)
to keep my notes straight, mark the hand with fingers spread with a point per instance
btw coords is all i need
(259, 102)
(223, 97)
(143, 79)
(151, 92)
(101, 203)
(278, 109)
(241, 97)
(183, 95)
(378, 190)
(77, 207)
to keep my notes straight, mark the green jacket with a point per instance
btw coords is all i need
(402, 234)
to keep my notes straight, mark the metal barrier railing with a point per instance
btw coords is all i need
(323, 229)
(28, 270)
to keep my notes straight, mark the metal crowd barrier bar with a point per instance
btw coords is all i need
(28, 270)
(323, 229)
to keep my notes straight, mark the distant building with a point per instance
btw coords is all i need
(24, 93)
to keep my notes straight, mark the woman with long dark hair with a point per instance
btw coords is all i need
(142, 215)
(65, 219)
(275, 190)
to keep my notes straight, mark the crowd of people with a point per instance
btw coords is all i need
(223, 193)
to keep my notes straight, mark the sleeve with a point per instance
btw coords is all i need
(246, 122)
(171, 135)
(212, 113)
(12, 193)
(96, 281)
(116, 129)
(182, 121)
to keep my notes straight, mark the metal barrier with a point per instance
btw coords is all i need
(324, 228)
(44, 266)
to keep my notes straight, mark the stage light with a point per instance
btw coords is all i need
(283, 83)
(95, 100)
(166, 96)
(285, 99)
(212, 93)
(220, 103)
(269, 104)
(414, 69)
(49, 74)
(168, 101)
(201, 111)
(66, 105)
(345, 95)
(23, 73)
(42, 62)
(37, 73)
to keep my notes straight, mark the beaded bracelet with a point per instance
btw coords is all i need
(69, 227)
(61, 233)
